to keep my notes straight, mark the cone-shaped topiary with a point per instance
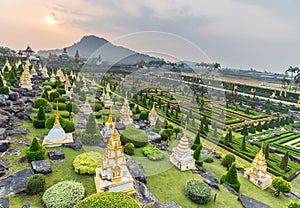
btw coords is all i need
(41, 114)
(36, 151)
(197, 141)
(231, 178)
(91, 125)
(284, 161)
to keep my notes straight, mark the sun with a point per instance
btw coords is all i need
(51, 20)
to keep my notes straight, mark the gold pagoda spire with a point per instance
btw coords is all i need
(115, 135)
(110, 119)
(6, 61)
(56, 115)
(86, 100)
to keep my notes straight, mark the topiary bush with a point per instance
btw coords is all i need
(65, 194)
(53, 95)
(40, 102)
(227, 160)
(198, 191)
(47, 87)
(48, 108)
(108, 199)
(50, 121)
(35, 184)
(69, 126)
(90, 139)
(152, 153)
(96, 107)
(41, 118)
(61, 91)
(39, 124)
(4, 90)
(36, 151)
(86, 163)
(61, 106)
(60, 100)
(132, 135)
(231, 178)
(129, 149)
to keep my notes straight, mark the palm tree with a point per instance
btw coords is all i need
(293, 70)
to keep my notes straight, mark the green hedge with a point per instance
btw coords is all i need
(86, 163)
(35, 184)
(39, 124)
(36, 151)
(40, 102)
(107, 200)
(61, 106)
(132, 135)
(60, 100)
(128, 149)
(152, 153)
(65, 194)
(198, 191)
(90, 139)
(4, 90)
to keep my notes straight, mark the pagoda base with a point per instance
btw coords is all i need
(59, 142)
(125, 185)
(262, 183)
(183, 165)
(28, 87)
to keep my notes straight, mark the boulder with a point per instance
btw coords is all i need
(296, 194)
(4, 203)
(4, 145)
(56, 155)
(41, 166)
(15, 183)
(120, 126)
(289, 195)
(3, 166)
(14, 96)
(77, 145)
(231, 190)
(2, 133)
(3, 100)
(26, 205)
(4, 120)
(17, 132)
(166, 205)
(212, 184)
(143, 194)
(136, 170)
(248, 202)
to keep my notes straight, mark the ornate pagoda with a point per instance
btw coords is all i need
(114, 175)
(86, 108)
(105, 98)
(6, 65)
(126, 114)
(33, 71)
(257, 174)
(25, 81)
(57, 135)
(53, 77)
(108, 88)
(109, 126)
(152, 116)
(182, 155)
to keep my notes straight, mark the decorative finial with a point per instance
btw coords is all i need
(56, 115)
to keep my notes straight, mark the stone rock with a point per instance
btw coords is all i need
(120, 126)
(77, 145)
(212, 184)
(231, 190)
(14, 96)
(136, 170)
(248, 202)
(28, 110)
(166, 205)
(56, 155)
(4, 203)
(3, 100)
(4, 145)
(41, 166)
(2, 133)
(26, 205)
(289, 195)
(23, 160)
(15, 183)
(81, 124)
(296, 194)
(143, 194)
(17, 132)
(4, 121)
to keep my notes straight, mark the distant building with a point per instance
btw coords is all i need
(64, 55)
(77, 57)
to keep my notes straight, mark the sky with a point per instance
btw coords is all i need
(259, 34)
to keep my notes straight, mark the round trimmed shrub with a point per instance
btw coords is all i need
(39, 124)
(61, 91)
(96, 107)
(50, 121)
(208, 158)
(90, 139)
(60, 100)
(40, 102)
(132, 135)
(152, 153)
(61, 106)
(198, 191)
(53, 95)
(86, 163)
(36, 151)
(108, 199)
(129, 149)
(47, 87)
(65, 194)
(35, 184)
(69, 126)
(48, 108)
(4, 90)
(227, 160)
(64, 114)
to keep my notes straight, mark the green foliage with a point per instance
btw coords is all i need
(1, 81)
(197, 141)
(208, 158)
(231, 178)
(90, 139)
(61, 106)
(69, 126)
(53, 95)
(284, 161)
(48, 107)
(294, 204)
(36, 151)
(198, 191)
(152, 153)
(40, 102)
(197, 152)
(50, 122)
(228, 160)
(166, 133)
(4, 90)
(132, 135)
(39, 124)
(61, 91)
(86, 163)
(281, 185)
(266, 150)
(60, 100)
(72, 107)
(96, 107)
(144, 115)
(244, 131)
(91, 125)
(35, 184)
(108, 199)
(65, 194)
(47, 87)
(41, 113)
(129, 149)
(244, 144)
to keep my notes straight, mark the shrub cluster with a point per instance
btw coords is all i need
(231, 178)
(198, 191)
(40, 102)
(108, 199)
(61, 106)
(86, 163)
(90, 139)
(129, 149)
(41, 118)
(132, 135)
(65, 194)
(227, 160)
(36, 151)
(152, 153)
(4, 90)
(35, 184)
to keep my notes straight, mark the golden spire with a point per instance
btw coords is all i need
(56, 115)
(86, 100)
(115, 136)
(6, 61)
(103, 91)
(110, 119)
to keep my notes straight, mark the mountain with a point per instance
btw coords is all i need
(92, 46)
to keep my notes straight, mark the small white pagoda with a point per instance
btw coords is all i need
(114, 175)
(105, 98)
(152, 116)
(25, 80)
(6, 65)
(108, 90)
(109, 126)
(53, 77)
(86, 108)
(33, 71)
(257, 174)
(57, 135)
(126, 114)
(182, 155)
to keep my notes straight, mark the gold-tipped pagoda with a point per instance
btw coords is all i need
(126, 114)
(25, 80)
(152, 116)
(257, 174)
(86, 107)
(114, 175)
(109, 126)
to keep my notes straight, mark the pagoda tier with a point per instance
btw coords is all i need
(109, 126)
(257, 174)
(152, 116)
(86, 108)
(114, 175)
(57, 136)
(105, 98)
(182, 155)
(25, 80)
(126, 114)
(33, 71)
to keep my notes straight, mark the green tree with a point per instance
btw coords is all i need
(41, 113)
(197, 141)
(244, 131)
(72, 107)
(230, 135)
(281, 185)
(197, 153)
(294, 204)
(36, 151)
(266, 150)
(166, 133)
(244, 144)
(177, 130)
(284, 161)
(228, 160)
(91, 125)
(144, 115)
(226, 139)
(231, 178)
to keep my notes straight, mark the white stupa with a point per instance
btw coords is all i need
(109, 126)
(57, 135)
(86, 107)
(33, 71)
(105, 98)
(52, 78)
(6, 65)
(126, 114)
